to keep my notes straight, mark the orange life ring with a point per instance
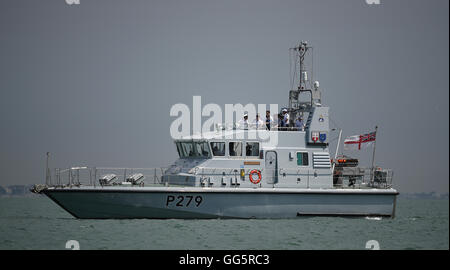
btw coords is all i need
(255, 181)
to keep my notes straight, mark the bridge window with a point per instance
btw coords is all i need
(302, 159)
(193, 150)
(235, 149)
(218, 148)
(252, 149)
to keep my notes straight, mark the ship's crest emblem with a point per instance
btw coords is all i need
(322, 137)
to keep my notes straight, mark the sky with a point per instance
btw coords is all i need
(93, 83)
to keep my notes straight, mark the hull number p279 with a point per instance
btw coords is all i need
(184, 201)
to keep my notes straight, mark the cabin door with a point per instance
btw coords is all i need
(271, 170)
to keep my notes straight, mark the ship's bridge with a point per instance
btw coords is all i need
(247, 149)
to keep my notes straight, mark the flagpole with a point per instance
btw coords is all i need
(337, 149)
(373, 155)
(47, 170)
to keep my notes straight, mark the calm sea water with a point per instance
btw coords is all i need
(35, 222)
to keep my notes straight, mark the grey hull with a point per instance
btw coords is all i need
(198, 203)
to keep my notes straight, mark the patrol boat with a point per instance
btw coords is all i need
(236, 172)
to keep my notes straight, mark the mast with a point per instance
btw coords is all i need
(298, 106)
(47, 171)
(302, 49)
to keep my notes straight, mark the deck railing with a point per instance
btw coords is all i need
(254, 126)
(356, 177)
(359, 177)
(91, 176)
(77, 176)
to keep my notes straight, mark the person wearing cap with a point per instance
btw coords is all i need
(243, 123)
(299, 123)
(285, 117)
(269, 120)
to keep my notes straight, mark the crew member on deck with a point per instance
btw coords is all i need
(243, 123)
(269, 120)
(281, 123)
(285, 117)
(258, 122)
(299, 123)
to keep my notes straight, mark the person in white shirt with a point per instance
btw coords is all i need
(243, 123)
(285, 117)
(258, 122)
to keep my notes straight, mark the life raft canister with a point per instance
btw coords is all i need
(255, 181)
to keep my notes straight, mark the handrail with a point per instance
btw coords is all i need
(358, 177)
(254, 126)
